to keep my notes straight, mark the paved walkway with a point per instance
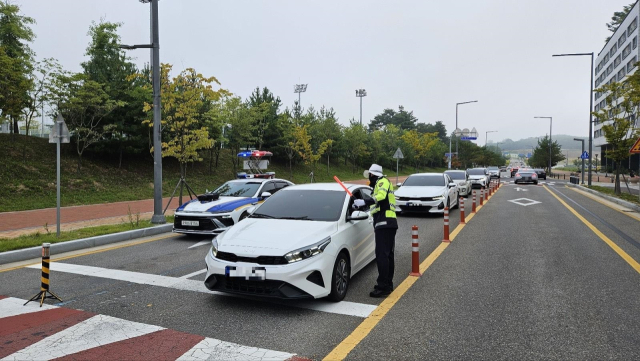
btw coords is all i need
(14, 224)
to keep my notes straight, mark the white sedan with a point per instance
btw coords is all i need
(305, 241)
(427, 193)
(462, 178)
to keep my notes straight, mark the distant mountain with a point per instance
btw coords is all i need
(566, 142)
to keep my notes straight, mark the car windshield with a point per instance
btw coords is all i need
(525, 171)
(303, 204)
(456, 175)
(238, 189)
(493, 168)
(475, 171)
(424, 181)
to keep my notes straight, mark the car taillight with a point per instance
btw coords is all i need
(534, 175)
(517, 174)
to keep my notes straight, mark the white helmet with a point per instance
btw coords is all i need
(375, 169)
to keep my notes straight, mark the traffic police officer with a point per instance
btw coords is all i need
(385, 226)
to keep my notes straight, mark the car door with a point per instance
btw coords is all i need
(269, 186)
(359, 234)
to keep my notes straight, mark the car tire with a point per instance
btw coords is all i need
(340, 278)
(243, 216)
(536, 182)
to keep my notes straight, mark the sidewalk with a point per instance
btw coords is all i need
(14, 224)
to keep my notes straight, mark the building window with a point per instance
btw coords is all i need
(609, 69)
(621, 74)
(613, 50)
(634, 42)
(606, 59)
(626, 51)
(617, 61)
(632, 26)
(622, 39)
(631, 64)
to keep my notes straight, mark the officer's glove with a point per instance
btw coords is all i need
(358, 203)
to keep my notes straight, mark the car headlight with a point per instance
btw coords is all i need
(214, 247)
(307, 252)
(438, 198)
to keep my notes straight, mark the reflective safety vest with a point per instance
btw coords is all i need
(384, 211)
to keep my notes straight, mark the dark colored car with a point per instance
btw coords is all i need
(541, 173)
(526, 176)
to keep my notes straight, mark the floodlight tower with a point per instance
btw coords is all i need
(361, 93)
(299, 88)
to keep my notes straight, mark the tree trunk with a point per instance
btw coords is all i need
(16, 129)
(328, 170)
(79, 161)
(120, 157)
(290, 170)
(617, 182)
(182, 171)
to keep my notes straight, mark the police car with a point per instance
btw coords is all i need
(214, 212)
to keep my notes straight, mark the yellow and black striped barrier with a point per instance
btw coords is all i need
(44, 278)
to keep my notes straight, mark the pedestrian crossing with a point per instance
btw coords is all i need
(30, 332)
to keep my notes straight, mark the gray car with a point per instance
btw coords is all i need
(526, 176)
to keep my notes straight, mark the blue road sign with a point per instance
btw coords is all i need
(468, 138)
(585, 155)
(449, 154)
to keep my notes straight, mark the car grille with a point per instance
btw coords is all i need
(266, 288)
(228, 222)
(265, 260)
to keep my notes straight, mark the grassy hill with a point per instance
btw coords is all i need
(28, 175)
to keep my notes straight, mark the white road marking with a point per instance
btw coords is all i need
(521, 189)
(201, 243)
(96, 331)
(194, 273)
(212, 349)
(524, 201)
(183, 284)
(14, 306)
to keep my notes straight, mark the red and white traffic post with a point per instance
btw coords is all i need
(481, 196)
(473, 205)
(446, 225)
(461, 210)
(415, 253)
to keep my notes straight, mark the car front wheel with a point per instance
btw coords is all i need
(340, 278)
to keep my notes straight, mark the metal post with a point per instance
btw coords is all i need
(158, 216)
(582, 164)
(299, 106)
(360, 110)
(450, 151)
(550, 142)
(58, 178)
(397, 162)
(590, 122)
(456, 137)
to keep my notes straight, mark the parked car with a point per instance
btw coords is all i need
(306, 241)
(479, 177)
(214, 212)
(542, 174)
(526, 176)
(462, 178)
(427, 193)
(494, 172)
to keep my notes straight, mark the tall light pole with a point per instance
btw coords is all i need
(472, 101)
(581, 141)
(550, 128)
(457, 133)
(361, 93)
(486, 134)
(299, 88)
(158, 216)
(590, 109)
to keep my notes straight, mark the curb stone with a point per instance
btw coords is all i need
(62, 247)
(607, 197)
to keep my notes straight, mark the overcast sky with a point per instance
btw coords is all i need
(424, 55)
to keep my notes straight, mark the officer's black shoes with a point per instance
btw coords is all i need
(379, 293)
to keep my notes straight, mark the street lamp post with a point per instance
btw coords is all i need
(361, 93)
(457, 133)
(300, 88)
(550, 143)
(158, 216)
(581, 141)
(472, 101)
(590, 109)
(486, 134)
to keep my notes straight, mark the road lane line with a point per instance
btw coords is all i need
(343, 308)
(194, 273)
(201, 243)
(100, 250)
(605, 203)
(633, 263)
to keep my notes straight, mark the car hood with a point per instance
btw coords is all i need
(222, 204)
(460, 182)
(410, 191)
(272, 237)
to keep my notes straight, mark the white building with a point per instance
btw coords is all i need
(614, 63)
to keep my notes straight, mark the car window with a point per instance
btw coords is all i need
(424, 181)
(303, 204)
(280, 185)
(456, 175)
(476, 171)
(238, 189)
(269, 187)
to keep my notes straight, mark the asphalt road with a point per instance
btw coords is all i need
(517, 282)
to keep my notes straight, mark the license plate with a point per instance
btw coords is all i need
(191, 223)
(248, 273)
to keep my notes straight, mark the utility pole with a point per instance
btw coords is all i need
(299, 88)
(360, 93)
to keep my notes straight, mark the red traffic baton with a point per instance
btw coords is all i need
(415, 253)
(335, 177)
(446, 225)
(461, 210)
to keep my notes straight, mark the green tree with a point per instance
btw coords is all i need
(355, 142)
(240, 128)
(268, 107)
(16, 58)
(618, 18)
(42, 83)
(540, 156)
(618, 128)
(401, 119)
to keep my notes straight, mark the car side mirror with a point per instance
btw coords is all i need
(451, 185)
(399, 185)
(265, 195)
(358, 216)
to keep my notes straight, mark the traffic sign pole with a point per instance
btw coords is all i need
(398, 155)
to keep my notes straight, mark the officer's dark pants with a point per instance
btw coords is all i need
(385, 246)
